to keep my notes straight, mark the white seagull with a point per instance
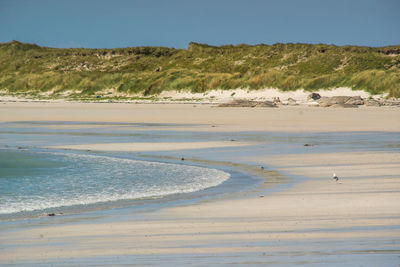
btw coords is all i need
(334, 177)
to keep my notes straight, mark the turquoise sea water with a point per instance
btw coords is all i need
(34, 181)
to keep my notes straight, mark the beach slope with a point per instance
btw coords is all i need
(313, 220)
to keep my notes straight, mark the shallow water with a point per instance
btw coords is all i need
(38, 134)
(34, 181)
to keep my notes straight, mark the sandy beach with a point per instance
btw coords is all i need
(313, 220)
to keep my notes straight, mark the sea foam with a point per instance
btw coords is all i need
(77, 179)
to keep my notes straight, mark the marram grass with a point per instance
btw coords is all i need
(150, 70)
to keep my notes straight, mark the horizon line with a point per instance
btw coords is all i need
(205, 44)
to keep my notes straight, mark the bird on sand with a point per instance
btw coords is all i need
(334, 177)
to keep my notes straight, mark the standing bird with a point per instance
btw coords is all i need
(334, 177)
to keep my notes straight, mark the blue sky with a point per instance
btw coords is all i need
(174, 23)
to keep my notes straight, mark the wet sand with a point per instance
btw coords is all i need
(314, 221)
(159, 146)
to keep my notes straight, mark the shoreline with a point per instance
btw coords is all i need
(244, 180)
(318, 221)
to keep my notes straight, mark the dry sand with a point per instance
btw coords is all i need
(308, 218)
(210, 118)
(220, 96)
(212, 96)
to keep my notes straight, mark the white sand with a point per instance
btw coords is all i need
(359, 212)
(294, 119)
(220, 96)
(216, 96)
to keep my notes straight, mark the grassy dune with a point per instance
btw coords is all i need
(28, 68)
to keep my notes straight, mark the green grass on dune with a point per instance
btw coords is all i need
(34, 69)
